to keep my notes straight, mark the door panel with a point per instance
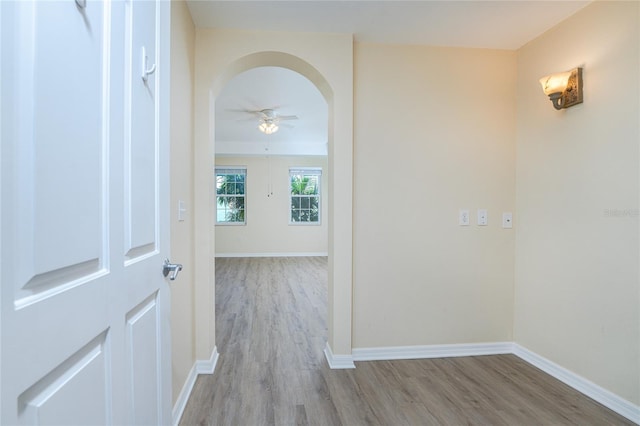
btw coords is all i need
(62, 110)
(52, 109)
(141, 152)
(142, 352)
(53, 399)
(84, 224)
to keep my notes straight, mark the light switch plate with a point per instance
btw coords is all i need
(463, 218)
(482, 217)
(181, 211)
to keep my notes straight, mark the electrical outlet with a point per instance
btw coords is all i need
(463, 218)
(507, 220)
(482, 217)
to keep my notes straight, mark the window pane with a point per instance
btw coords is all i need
(221, 214)
(230, 191)
(305, 194)
(219, 185)
(312, 186)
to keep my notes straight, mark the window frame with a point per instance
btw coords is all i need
(305, 171)
(231, 170)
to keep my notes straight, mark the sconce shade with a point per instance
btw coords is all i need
(564, 89)
(555, 83)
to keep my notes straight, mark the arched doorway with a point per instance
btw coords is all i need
(211, 77)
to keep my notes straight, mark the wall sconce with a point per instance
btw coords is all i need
(564, 89)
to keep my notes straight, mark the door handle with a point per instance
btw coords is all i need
(171, 269)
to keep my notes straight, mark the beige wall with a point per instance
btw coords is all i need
(267, 231)
(444, 126)
(182, 69)
(434, 132)
(577, 287)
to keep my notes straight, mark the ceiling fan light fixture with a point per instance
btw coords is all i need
(268, 127)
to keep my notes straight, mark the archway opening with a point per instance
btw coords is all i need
(340, 192)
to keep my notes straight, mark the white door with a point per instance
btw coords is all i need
(84, 335)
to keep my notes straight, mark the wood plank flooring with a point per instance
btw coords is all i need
(271, 331)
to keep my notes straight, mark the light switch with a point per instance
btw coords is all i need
(181, 211)
(507, 220)
(482, 217)
(463, 218)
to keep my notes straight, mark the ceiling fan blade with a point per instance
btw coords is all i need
(246, 111)
(287, 117)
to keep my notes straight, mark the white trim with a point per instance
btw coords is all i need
(207, 366)
(313, 170)
(338, 362)
(230, 170)
(293, 254)
(257, 149)
(599, 394)
(183, 396)
(431, 351)
(199, 367)
(306, 171)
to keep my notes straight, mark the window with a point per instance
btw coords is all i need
(230, 195)
(305, 195)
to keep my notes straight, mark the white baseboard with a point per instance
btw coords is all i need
(579, 383)
(207, 366)
(199, 367)
(590, 389)
(431, 351)
(337, 362)
(296, 254)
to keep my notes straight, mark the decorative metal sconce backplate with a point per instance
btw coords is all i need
(573, 93)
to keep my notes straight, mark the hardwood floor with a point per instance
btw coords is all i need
(270, 331)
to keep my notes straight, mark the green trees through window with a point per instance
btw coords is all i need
(305, 195)
(305, 201)
(230, 195)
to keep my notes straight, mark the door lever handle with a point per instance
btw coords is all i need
(171, 269)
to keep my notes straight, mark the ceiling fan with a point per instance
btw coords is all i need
(269, 120)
